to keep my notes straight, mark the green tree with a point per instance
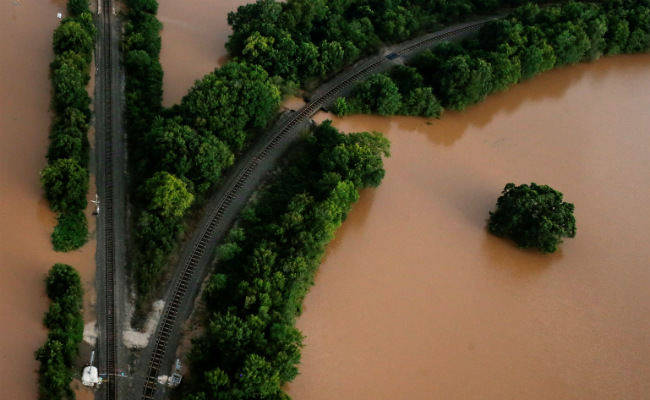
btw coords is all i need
(166, 195)
(533, 216)
(181, 151)
(356, 157)
(229, 101)
(54, 378)
(464, 81)
(63, 282)
(379, 94)
(421, 101)
(71, 232)
(71, 36)
(66, 184)
(258, 378)
(538, 56)
(69, 85)
(77, 7)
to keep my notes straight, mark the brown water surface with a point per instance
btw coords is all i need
(416, 301)
(26, 223)
(193, 39)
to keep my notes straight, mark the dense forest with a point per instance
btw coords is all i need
(251, 347)
(65, 323)
(180, 153)
(65, 177)
(530, 41)
(302, 41)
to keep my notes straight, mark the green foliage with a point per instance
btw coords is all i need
(402, 92)
(69, 87)
(65, 183)
(65, 178)
(72, 36)
(229, 101)
(251, 347)
(378, 94)
(532, 40)
(166, 195)
(54, 377)
(71, 232)
(302, 40)
(64, 319)
(356, 157)
(181, 151)
(63, 282)
(69, 142)
(533, 216)
(77, 7)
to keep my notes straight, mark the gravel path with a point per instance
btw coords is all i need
(119, 199)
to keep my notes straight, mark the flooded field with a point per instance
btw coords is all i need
(417, 301)
(193, 39)
(25, 220)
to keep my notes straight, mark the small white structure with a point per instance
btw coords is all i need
(175, 379)
(89, 377)
(59, 15)
(96, 201)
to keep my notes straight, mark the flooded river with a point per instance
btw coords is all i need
(26, 223)
(416, 301)
(193, 40)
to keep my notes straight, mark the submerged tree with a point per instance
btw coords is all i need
(533, 216)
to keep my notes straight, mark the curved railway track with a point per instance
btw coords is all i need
(181, 286)
(107, 203)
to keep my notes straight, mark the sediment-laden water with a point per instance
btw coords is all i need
(417, 301)
(26, 223)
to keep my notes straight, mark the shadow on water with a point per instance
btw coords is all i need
(504, 254)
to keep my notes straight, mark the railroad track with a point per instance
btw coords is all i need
(110, 356)
(171, 310)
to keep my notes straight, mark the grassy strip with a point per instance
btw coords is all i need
(532, 40)
(65, 322)
(65, 177)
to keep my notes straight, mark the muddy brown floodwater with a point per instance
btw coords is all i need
(26, 223)
(193, 40)
(416, 301)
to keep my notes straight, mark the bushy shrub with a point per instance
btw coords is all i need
(71, 232)
(533, 216)
(65, 322)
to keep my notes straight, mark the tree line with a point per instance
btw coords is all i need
(65, 323)
(65, 177)
(306, 40)
(530, 41)
(251, 346)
